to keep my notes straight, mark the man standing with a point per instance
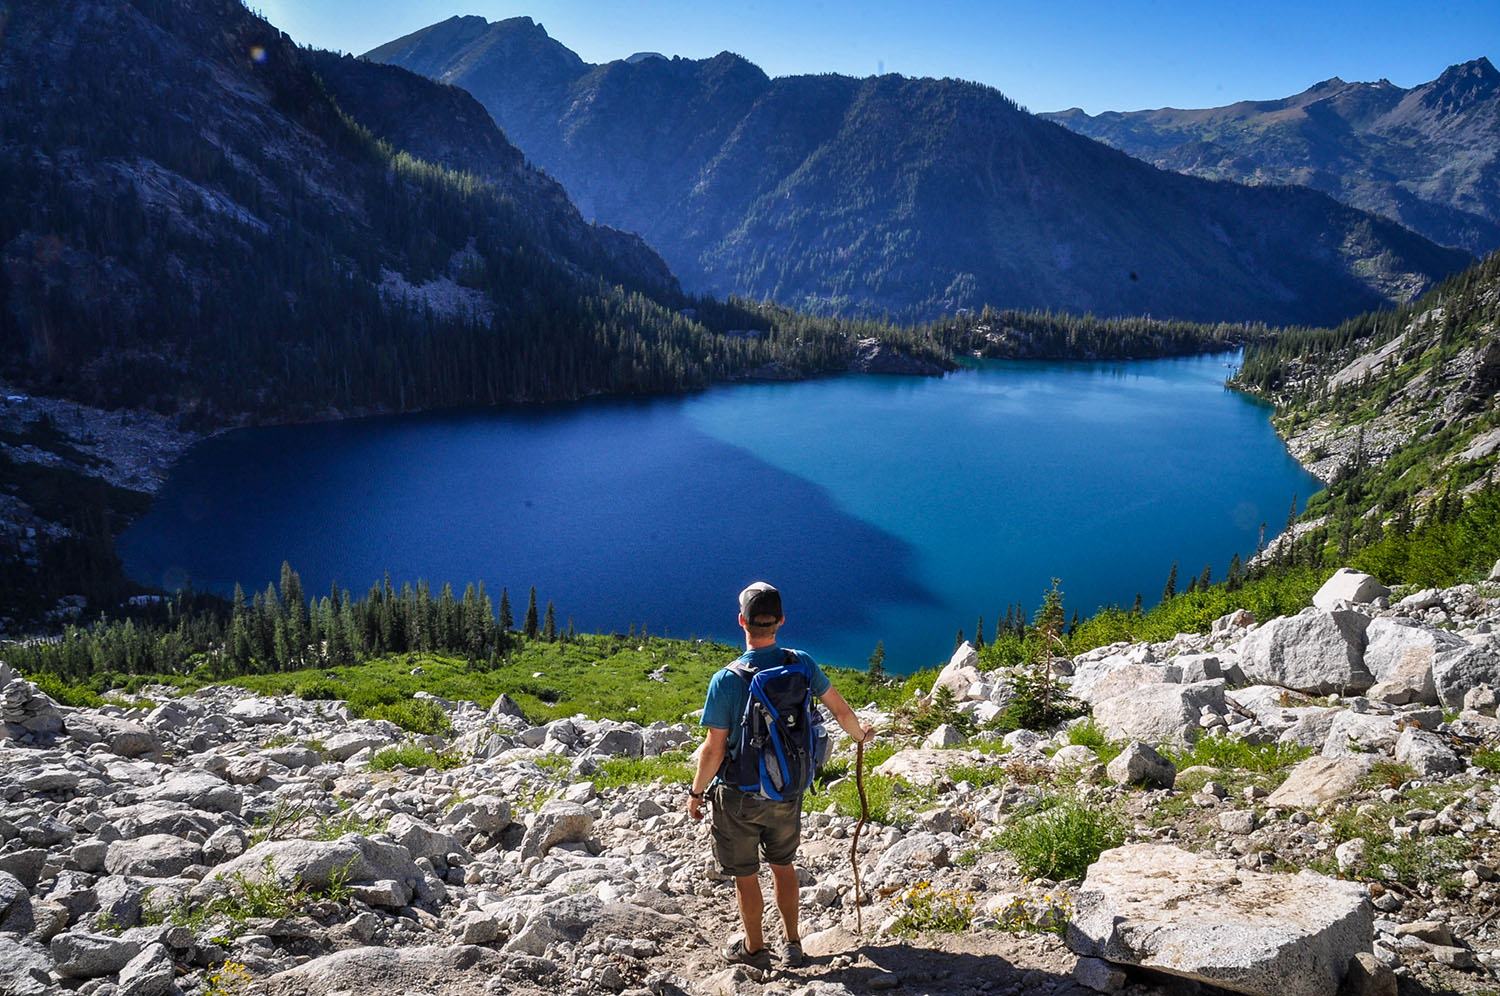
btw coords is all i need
(747, 826)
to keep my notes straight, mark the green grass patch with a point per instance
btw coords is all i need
(1488, 759)
(1234, 754)
(673, 768)
(600, 676)
(412, 756)
(1061, 841)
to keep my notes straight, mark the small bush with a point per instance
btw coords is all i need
(412, 756)
(1488, 759)
(1091, 735)
(319, 690)
(1062, 841)
(413, 715)
(1389, 774)
(925, 909)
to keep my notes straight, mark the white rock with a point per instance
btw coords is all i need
(1356, 733)
(1315, 651)
(945, 735)
(1140, 764)
(1318, 780)
(558, 823)
(316, 863)
(1350, 586)
(422, 840)
(1456, 671)
(157, 855)
(1426, 753)
(1159, 713)
(149, 973)
(960, 673)
(1165, 909)
(1402, 655)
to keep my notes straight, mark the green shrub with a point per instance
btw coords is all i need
(1061, 841)
(1091, 735)
(1488, 759)
(413, 715)
(319, 689)
(1388, 774)
(65, 692)
(412, 756)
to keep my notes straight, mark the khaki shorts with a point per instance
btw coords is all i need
(747, 827)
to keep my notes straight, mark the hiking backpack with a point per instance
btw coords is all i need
(783, 740)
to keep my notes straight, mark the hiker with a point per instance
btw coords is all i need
(757, 810)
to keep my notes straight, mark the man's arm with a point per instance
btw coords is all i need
(861, 732)
(710, 757)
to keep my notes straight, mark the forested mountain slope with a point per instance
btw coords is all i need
(193, 219)
(1398, 410)
(908, 197)
(1428, 157)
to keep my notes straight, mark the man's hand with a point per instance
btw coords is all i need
(694, 807)
(866, 733)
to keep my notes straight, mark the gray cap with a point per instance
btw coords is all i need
(761, 601)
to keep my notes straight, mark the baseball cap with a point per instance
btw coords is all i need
(759, 601)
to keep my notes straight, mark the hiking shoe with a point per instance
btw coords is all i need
(792, 956)
(735, 953)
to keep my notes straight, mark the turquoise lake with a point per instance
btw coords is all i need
(885, 508)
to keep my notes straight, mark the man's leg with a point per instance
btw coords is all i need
(784, 877)
(752, 909)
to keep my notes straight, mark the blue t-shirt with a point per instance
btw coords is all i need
(728, 692)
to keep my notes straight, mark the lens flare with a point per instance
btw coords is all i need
(257, 53)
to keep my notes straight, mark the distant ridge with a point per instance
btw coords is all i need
(1428, 157)
(907, 197)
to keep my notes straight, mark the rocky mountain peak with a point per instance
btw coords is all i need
(1461, 86)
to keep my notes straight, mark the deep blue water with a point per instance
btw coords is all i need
(894, 508)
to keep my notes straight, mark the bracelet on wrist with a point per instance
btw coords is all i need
(695, 795)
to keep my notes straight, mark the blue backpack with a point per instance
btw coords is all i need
(783, 739)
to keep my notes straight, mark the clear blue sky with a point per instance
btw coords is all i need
(1119, 55)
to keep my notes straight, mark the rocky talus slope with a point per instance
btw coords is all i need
(222, 842)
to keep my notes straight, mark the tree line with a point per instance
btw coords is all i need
(284, 629)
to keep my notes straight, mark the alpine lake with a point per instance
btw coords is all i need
(886, 508)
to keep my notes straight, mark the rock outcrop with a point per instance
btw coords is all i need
(1204, 919)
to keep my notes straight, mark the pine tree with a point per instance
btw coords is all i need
(979, 634)
(1138, 608)
(1171, 588)
(549, 626)
(1206, 578)
(877, 661)
(507, 621)
(958, 640)
(530, 626)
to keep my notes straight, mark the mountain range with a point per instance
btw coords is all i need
(1428, 156)
(908, 197)
(199, 217)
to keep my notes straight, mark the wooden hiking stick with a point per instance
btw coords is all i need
(864, 814)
